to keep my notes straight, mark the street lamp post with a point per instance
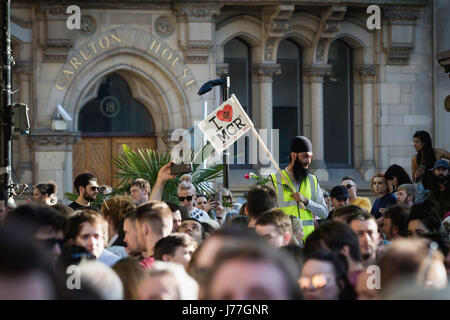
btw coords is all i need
(206, 87)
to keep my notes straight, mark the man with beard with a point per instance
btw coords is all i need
(308, 201)
(440, 188)
(87, 189)
(366, 229)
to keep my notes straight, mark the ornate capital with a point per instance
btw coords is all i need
(367, 72)
(402, 15)
(330, 23)
(194, 12)
(400, 43)
(444, 60)
(315, 73)
(266, 70)
(46, 140)
(275, 24)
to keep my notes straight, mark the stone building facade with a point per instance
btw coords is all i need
(358, 94)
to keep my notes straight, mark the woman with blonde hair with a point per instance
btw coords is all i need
(186, 195)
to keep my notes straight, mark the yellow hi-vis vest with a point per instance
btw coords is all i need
(288, 204)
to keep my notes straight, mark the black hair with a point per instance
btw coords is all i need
(169, 244)
(397, 171)
(340, 266)
(46, 188)
(201, 226)
(437, 237)
(82, 180)
(239, 221)
(335, 235)
(427, 213)
(33, 216)
(399, 215)
(259, 200)
(19, 256)
(427, 151)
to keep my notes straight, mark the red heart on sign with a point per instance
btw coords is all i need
(226, 114)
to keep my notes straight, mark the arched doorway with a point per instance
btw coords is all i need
(108, 121)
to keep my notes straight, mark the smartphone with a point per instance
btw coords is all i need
(180, 168)
(218, 196)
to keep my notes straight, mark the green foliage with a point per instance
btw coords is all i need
(146, 164)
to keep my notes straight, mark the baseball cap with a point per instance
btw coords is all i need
(441, 163)
(339, 192)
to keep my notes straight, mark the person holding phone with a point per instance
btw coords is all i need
(422, 163)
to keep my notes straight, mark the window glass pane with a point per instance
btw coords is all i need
(114, 110)
(287, 96)
(237, 55)
(337, 106)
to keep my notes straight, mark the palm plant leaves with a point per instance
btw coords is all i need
(145, 163)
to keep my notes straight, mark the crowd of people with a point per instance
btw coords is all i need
(291, 239)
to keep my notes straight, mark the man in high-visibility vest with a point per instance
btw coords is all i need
(308, 190)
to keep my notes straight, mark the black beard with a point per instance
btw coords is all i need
(299, 171)
(442, 179)
(88, 198)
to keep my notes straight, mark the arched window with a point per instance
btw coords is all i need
(287, 96)
(115, 110)
(237, 56)
(338, 107)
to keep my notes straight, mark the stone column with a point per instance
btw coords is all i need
(265, 73)
(315, 74)
(367, 74)
(53, 158)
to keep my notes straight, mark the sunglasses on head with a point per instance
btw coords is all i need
(317, 281)
(50, 243)
(188, 198)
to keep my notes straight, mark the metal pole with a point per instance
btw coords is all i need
(5, 108)
(226, 177)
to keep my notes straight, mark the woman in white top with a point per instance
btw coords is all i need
(186, 195)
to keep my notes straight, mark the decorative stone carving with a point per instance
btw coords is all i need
(266, 70)
(192, 11)
(57, 50)
(316, 73)
(164, 27)
(88, 26)
(195, 51)
(48, 138)
(400, 38)
(275, 24)
(367, 72)
(320, 50)
(330, 24)
(444, 60)
(400, 15)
